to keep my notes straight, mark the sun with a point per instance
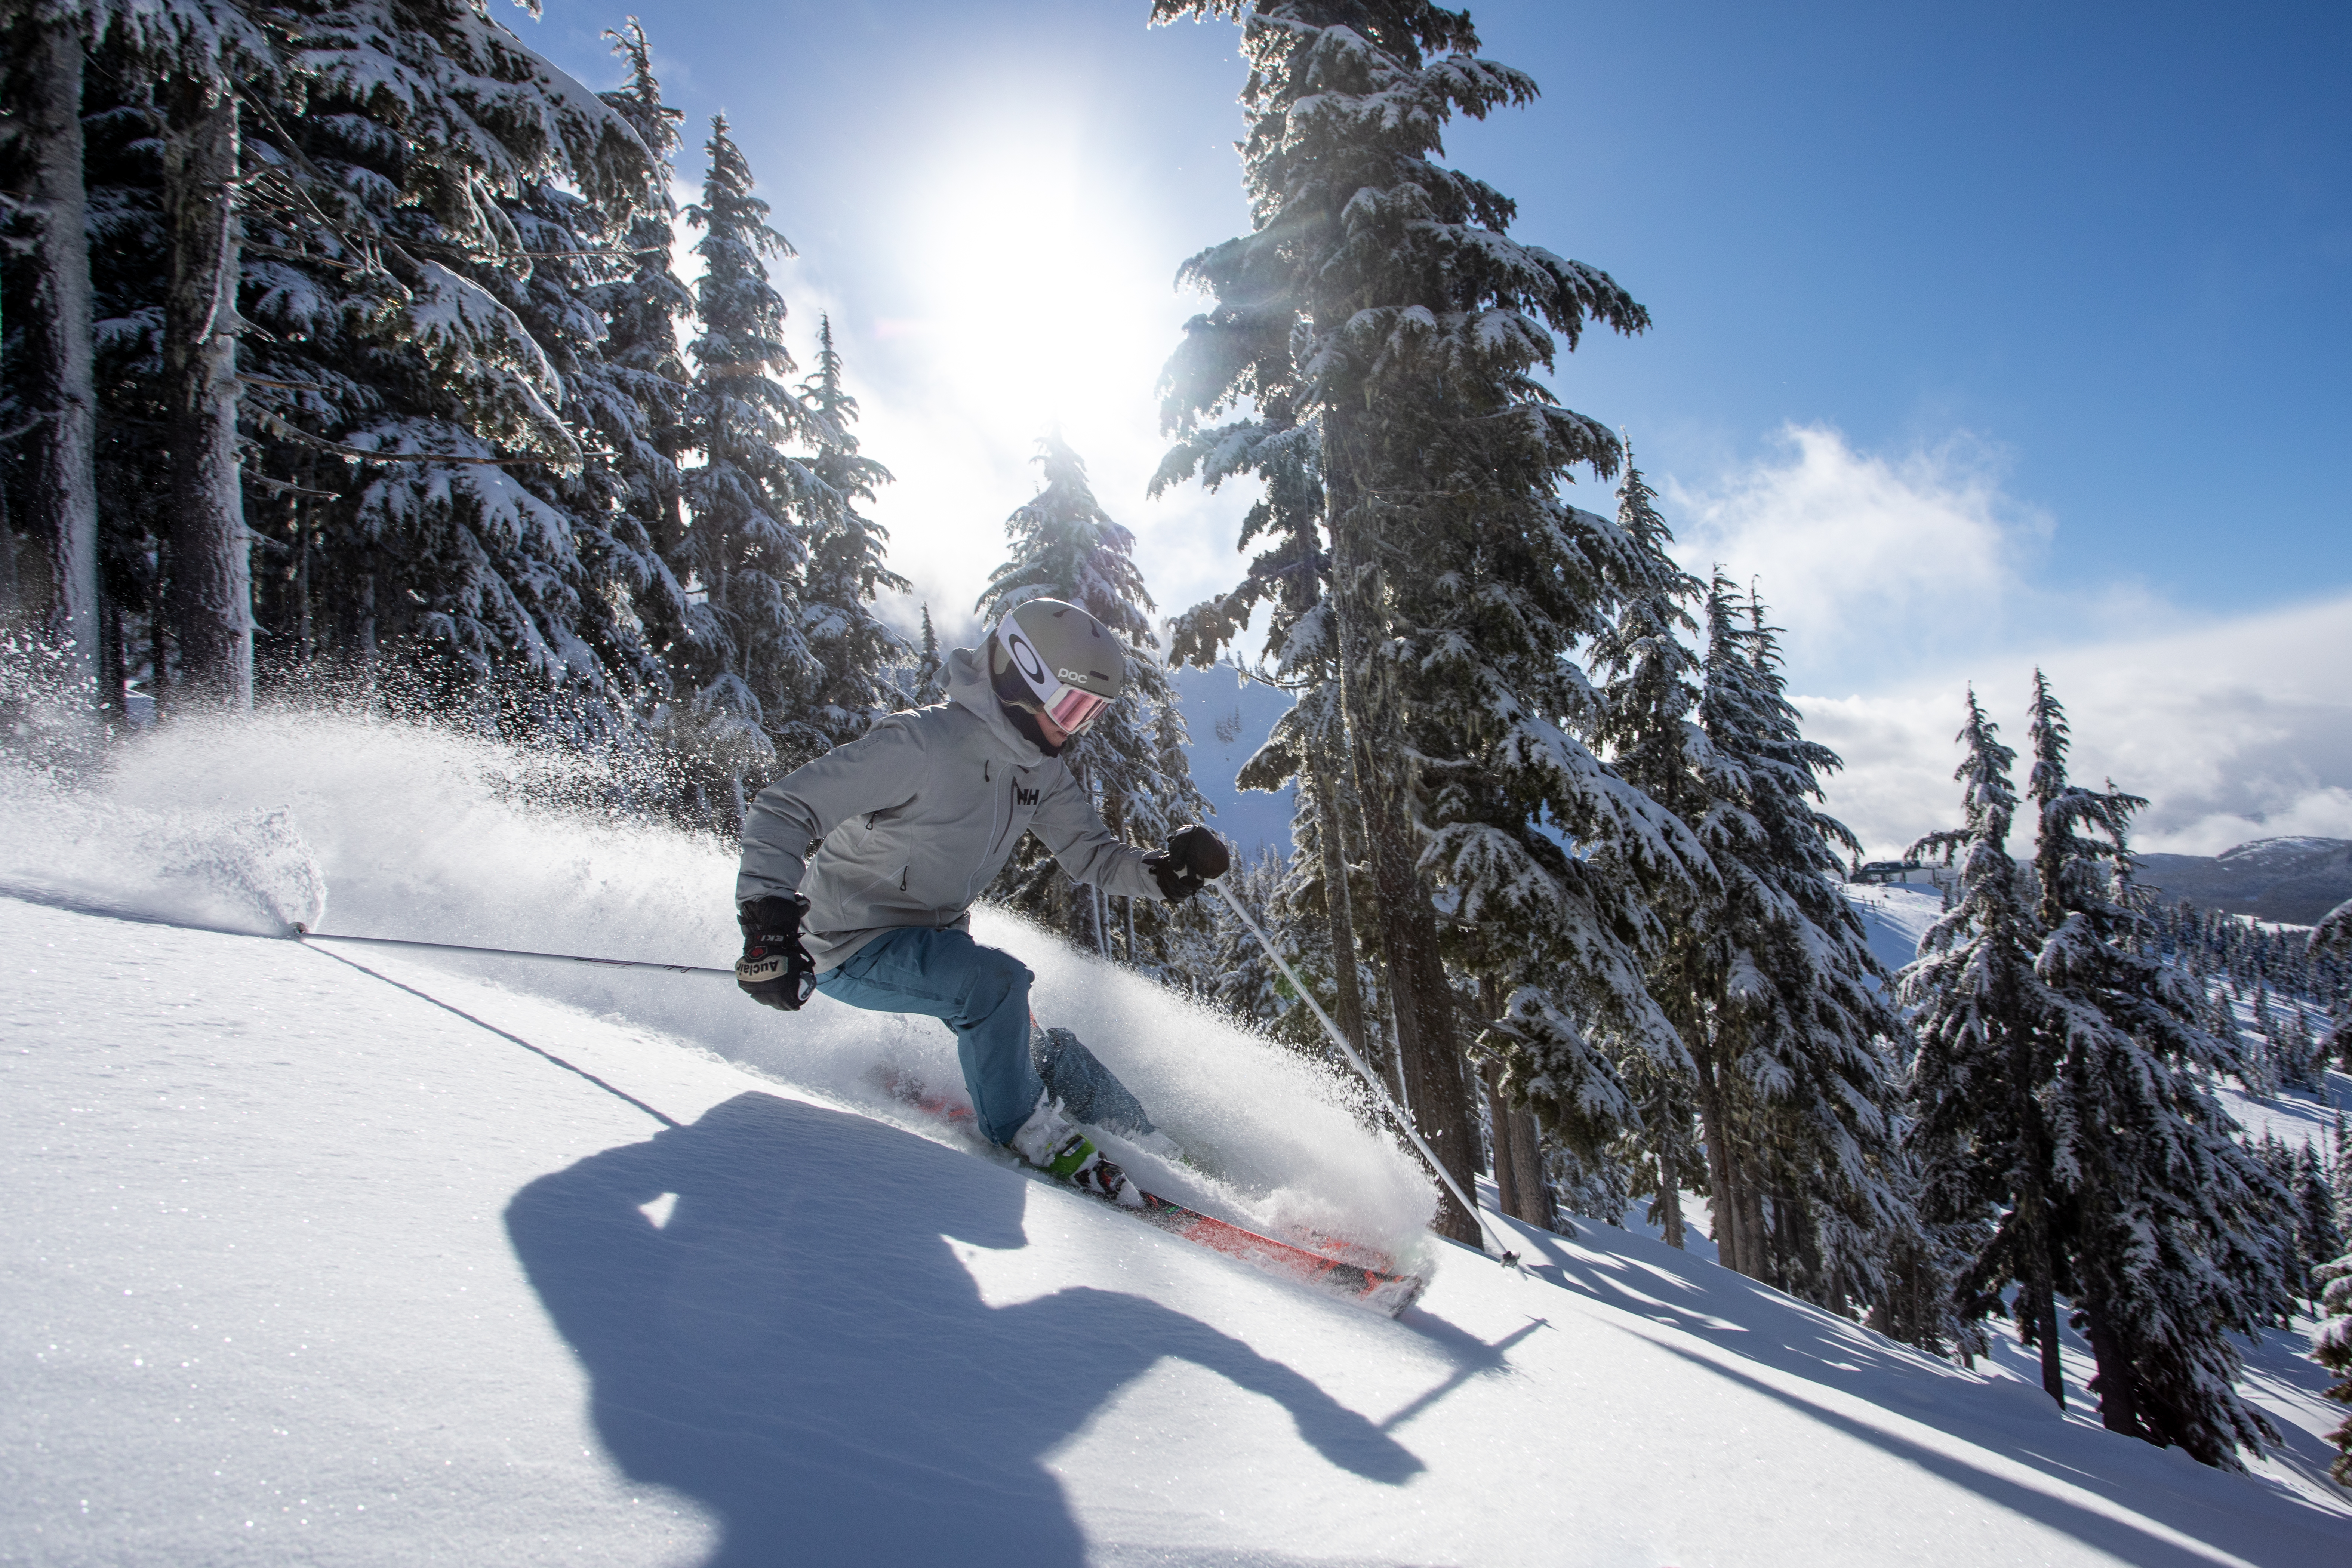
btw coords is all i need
(1042, 307)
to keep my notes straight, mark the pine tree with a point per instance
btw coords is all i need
(2331, 1346)
(743, 550)
(641, 312)
(1378, 304)
(1982, 1139)
(928, 681)
(1799, 1082)
(854, 654)
(2172, 1228)
(386, 260)
(1648, 728)
(2319, 1235)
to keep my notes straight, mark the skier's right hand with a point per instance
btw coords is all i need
(775, 970)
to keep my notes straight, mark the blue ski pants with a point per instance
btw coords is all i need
(979, 992)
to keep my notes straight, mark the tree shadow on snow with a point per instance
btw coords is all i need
(1742, 1319)
(796, 1344)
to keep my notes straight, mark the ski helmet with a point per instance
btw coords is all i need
(1051, 658)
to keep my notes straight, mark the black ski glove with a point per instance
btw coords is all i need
(775, 969)
(1193, 856)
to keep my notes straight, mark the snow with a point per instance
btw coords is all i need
(2297, 1116)
(351, 1256)
(1893, 919)
(2263, 854)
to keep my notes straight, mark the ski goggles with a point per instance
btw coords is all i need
(1071, 708)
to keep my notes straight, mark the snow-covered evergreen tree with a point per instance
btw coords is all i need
(744, 550)
(2331, 1346)
(854, 655)
(927, 678)
(387, 263)
(641, 310)
(2174, 1230)
(2318, 1232)
(1649, 732)
(1378, 304)
(1798, 1020)
(1982, 1138)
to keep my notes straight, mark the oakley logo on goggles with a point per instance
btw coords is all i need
(1069, 707)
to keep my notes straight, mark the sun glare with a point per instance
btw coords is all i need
(1042, 308)
(1032, 296)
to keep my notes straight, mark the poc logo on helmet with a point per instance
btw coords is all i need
(1070, 676)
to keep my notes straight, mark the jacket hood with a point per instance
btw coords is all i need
(969, 688)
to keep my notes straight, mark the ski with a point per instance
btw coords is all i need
(1335, 1268)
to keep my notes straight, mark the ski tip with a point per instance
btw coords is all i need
(300, 931)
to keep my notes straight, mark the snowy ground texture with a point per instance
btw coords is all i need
(347, 1257)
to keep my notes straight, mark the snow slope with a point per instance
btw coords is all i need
(1893, 919)
(350, 1257)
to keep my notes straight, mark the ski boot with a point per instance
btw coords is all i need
(1049, 1142)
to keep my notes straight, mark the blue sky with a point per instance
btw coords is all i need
(1984, 335)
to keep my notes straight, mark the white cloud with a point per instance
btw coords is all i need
(1900, 579)
(1864, 556)
(2234, 729)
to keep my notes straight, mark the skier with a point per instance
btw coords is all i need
(859, 870)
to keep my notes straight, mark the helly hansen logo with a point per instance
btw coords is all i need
(1024, 796)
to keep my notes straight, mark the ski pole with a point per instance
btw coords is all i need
(304, 934)
(1379, 1089)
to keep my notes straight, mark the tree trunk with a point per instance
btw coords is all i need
(1723, 1193)
(1498, 1116)
(1527, 1156)
(1670, 1173)
(2115, 1384)
(302, 630)
(1346, 985)
(159, 665)
(212, 591)
(1431, 1079)
(1519, 1182)
(61, 486)
(2042, 1300)
(1428, 1060)
(1754, 1253)
(2034, 1200)
(10, 608)
(110, 682)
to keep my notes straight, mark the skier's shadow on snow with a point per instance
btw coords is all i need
(797, 1346)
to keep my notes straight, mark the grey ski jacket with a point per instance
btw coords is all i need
(907, 825)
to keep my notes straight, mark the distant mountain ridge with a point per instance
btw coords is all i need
(2292, 879)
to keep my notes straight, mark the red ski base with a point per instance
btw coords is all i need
(1335, 1268)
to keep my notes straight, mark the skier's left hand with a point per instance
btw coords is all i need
(1193, 857)
(775, 970)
